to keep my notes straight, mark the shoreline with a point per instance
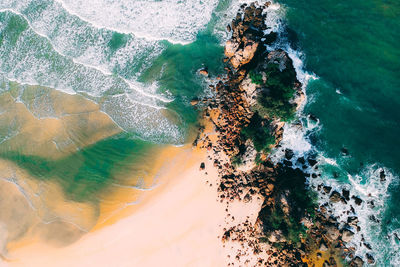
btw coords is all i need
(181, 215)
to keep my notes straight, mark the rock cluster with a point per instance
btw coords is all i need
(230, 111)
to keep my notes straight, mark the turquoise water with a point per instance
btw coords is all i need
(353, 49)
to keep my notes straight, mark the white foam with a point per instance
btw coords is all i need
(175, 21)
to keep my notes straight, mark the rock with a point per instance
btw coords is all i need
(326, 264)
(203, 72)
(332, 233)
(368, 246)
(357, 200)
(323, 247)
(202, 166)
(357, 262)
(245, 55)
(312, 162)
(289, 154)
(370, 259)
(335, 197)
(345, 151)
(279, 57)
(270, 38)
(319, 255)
(276, 236)
(194, 101)
(352, 220)
(301, 160)
(230, 48)
(327, 189)
(382, 175)
(313, 118)
(346, 194)
(347, 235)
(332, 261)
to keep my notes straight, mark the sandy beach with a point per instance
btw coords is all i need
(178, 223)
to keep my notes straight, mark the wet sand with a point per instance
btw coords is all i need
(178, 223)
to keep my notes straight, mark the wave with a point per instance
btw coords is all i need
(175, 21)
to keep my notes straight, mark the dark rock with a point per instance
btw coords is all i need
(327, 189)
(335, 197)
(289, 154)
(287, 163)
(370, 259)
(312, 162)
(345, 151)
(313, 117)
(347, 235)
(352, 220)
(323, 247)
(202, 166)
(357, 262)
(301, 160)
(314, 175)
(270, 38)
(346, 194)
(382, 175)
(373, 218)
(368, 246)
(357, 200)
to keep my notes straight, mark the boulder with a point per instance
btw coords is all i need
(230, 48)
(335, 197)
(357, 200)
(279, 57)
(346, 194)
(382, 175)
(202, 166)
(203, 72)
(194, 101)
(327, 189)
(323, 247)
(245, 55)
(370, 258)
(347, 235)
(357, 262)
(332, 233)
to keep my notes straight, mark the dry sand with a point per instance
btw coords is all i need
(178, 223)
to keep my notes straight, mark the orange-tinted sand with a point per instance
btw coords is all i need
(175, 224)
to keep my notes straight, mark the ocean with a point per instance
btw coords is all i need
(92, 91)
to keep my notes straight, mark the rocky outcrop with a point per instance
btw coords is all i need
(289, 224)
